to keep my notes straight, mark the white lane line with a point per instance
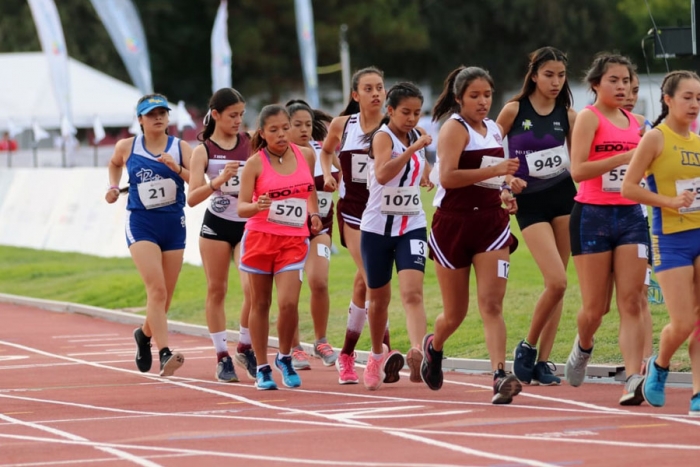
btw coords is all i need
(44, 365)
(89, 461)
(77, 336)
(223, 394)
(364, 426)
(230, 455)
(70, 436)
(103, 339)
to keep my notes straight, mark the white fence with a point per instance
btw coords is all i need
(65, 210)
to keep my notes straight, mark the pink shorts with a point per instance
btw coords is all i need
(265, 253)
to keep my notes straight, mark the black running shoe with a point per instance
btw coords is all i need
(144, 359)
(225, 371)
(247, 360)
(393, 364)
(505, 387)
(524, 359)
(170, 362)
(431, 366)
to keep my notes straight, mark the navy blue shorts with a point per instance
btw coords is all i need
(675, 250)
(599, 228)
(379, 253)
(165, 229)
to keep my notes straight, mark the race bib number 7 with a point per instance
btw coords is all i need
(290, 212)
(358, 168)
(157, 193)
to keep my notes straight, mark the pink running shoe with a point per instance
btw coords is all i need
(374, 373)
(346, 369)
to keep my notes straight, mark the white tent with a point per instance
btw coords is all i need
(26, 95)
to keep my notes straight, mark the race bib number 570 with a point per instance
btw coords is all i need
(290, 211)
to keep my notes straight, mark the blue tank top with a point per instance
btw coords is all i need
(532, 132)
(153, 186)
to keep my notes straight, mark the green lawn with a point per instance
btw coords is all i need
(114, 283)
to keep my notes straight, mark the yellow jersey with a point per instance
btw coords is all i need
(676, 169)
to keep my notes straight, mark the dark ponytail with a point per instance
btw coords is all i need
(318, 128)
(669, 87)
(221, 99)
(258, 142)
(456, 84)
(353, 106)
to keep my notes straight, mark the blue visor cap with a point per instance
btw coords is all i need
(150, 104)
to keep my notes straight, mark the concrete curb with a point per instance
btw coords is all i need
(449, 364)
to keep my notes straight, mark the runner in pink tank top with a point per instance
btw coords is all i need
(277, 196)
(609, 234)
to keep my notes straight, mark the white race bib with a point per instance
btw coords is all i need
(157, 193)
(325, 200)
(548, 163)
(689, 185)
(493, 182)
(612, 181)
(290, 211)
(233, 184)
(359, 168)
(401, 201)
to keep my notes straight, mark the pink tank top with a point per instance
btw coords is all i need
(289, 193)
(608, 141)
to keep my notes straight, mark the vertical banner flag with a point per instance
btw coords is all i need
(307, 48)
(220, 50)
(48, 25)
(124, 27)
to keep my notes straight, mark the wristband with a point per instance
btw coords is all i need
(113, 187)
(180, 170)
(505, 186)
(315, 214)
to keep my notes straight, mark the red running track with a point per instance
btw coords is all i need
(70, 395)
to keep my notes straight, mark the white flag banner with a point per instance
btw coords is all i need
(184, 119)
(135, 128)
(307, 48)
(124, 27)
(220, 50)
(67, 129)
(53, 43)
(13, 129)
(98, 129)
(39, 132)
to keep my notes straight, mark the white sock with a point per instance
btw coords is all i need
(244, 336)
(219, 340)
(357, 317)
(377, 356)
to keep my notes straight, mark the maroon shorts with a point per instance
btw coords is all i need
(455, 238)
(327, 225)
(349, 214)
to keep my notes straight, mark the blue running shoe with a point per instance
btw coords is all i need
(654, 384)
(524, 357)
(695, 406)
(544, 376)
(290, 378)
(264, 381)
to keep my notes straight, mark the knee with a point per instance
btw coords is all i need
(318, 286)
(557, 287)
(685, 325)
(631, 305)
(412, 299)
(157, 294)
(491, 308)
(287, 308)
(261, 306)
(216, 292)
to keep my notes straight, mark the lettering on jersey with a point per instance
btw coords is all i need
(557, 126)
(219, 156)
(220, 204)
(291, 191)
(498, 138)
(147, 175)
(527, 124)
(610, 147)
(395, 154)
(690, 158)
